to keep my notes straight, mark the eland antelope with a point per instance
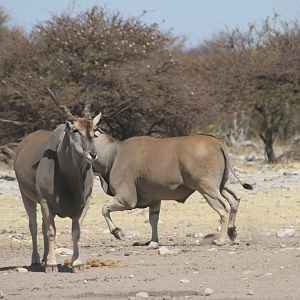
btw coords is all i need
(141, 171)
(53, 168)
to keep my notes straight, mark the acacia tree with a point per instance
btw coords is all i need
(258, 71)
(121, 61)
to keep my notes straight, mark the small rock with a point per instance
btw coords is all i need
(184, 281)
(142, 295)
(194, 235)
(289, 174)
(251, 157)
(85, 281)
(22, 270)
(208, 291)
(2, 231)
(21, 238)
(286, 232)
(1, 295)
(250, 293)
(63, 251)
(176, 251)
(198, 235)
(212, 249)
(165, 251)
(131, 276)
(190, 234)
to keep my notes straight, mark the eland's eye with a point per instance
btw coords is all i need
(75, 130)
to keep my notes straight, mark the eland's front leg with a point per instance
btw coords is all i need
(113, 205)
(116, 205)
(77, 265)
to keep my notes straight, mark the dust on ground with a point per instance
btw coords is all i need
(260, 265)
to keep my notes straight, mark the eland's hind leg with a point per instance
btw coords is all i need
(234, 202)
(154, 211)
(48, 220)
(221, 206)
(30, 207)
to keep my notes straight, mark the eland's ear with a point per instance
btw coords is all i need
(69, 125)
(97, 119)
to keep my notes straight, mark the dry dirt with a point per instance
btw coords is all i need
(259, 266)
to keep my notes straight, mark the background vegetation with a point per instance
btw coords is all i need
(239, 85)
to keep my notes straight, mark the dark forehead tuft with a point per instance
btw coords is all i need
(84, 125)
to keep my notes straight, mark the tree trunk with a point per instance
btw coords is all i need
(269, 150)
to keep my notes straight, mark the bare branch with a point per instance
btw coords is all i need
(119, 111)
(16, 123)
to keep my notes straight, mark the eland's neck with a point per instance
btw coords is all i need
(106, 148)
(71, 163)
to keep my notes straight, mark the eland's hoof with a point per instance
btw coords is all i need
(232, 233)
(51, 269)
(153, 245)
(35, 267)
(141, 243)
(118, 233)
(78, 268)
(138, 244)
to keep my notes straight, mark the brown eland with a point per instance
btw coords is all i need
(141, 171)
(53, 168)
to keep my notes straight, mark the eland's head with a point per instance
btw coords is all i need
(81, 136)
(80, 131)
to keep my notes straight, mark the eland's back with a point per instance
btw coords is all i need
(28, 155)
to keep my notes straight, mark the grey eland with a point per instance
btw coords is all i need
(53, 168)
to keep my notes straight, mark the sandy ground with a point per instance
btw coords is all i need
(260, 265)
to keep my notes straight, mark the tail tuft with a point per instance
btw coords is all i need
(247, 186)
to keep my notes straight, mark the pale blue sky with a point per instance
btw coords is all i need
(197, 19)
